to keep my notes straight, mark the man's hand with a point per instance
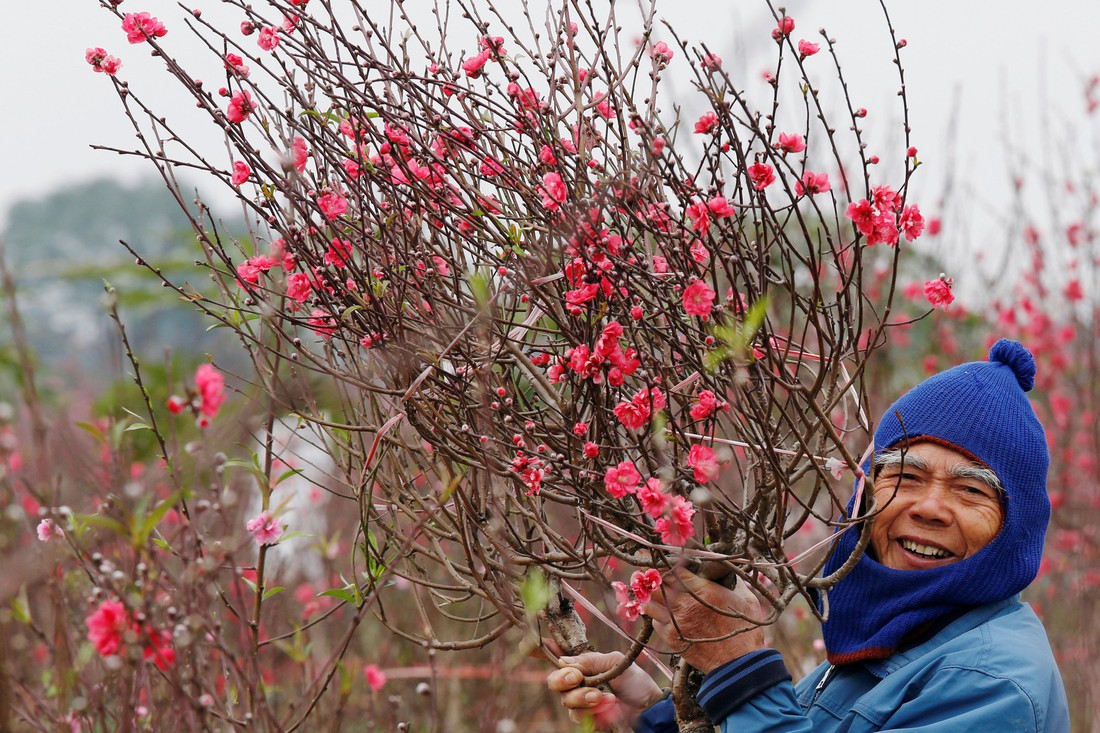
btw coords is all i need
(634, 690)
(680, 620)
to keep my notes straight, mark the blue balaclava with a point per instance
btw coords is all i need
(980, 408)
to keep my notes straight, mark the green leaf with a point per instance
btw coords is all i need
(103, 522)
(150, 522)
(534, 591)
(349, 593)
(286, 475)
(93, 431)
(21, 607)
(268, 592)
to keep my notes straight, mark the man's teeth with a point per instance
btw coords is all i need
(924, 550)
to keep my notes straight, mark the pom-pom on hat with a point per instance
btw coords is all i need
(982, 409)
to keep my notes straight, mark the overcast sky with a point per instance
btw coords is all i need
(999, 60)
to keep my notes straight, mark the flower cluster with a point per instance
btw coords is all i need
(141, 27)
(102, 62)
(205, 399)
(111, 622)
(882, 218)
(633, 597)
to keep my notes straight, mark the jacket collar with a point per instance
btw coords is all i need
(971, 619)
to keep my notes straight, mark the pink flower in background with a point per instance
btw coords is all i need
(629, 607)
(712, 62)
(211, 386)
(807, 49)
(812, 183)
(240, 107)
(235, 64)
(333, 205)
(47, 530)
(704, 463)
(338, 253)
(705, 406)
(321, 322)
(141, 27)
(938, 292)
(474, 65)
(698, 299)
(661, 52)
(106, 626)
(791, 142)
(376, 678)
(241, 172)
(102, 62)
(911, 223)
(700, 218)
(299, 153)
(265, 529)
(298, 286)
(553, 191)
(631, 416)
(250, 270)
(783, 28)
(622, 479)
(643, 583)
(159, 650)
(677, 528)
(762, 175)
(652, 498)
(720, 207)
(706, 124)
(268, 38)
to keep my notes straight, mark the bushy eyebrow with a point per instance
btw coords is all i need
(959, 470)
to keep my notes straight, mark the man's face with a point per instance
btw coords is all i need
(935, 508)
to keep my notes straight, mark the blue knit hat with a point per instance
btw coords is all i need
(980, 408)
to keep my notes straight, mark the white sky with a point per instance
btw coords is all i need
(1000, 59)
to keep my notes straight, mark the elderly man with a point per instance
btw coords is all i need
(927, 632)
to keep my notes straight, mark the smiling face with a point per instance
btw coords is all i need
(936, 507)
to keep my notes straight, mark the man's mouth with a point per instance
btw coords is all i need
(926, 551)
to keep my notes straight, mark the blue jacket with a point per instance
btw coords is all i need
(989, 669)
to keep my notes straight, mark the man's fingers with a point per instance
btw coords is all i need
(549, 645)
(688, 582)
(657, 610)
(564, 679)
(585, 698)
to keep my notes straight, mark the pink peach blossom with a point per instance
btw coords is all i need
(299, 153)
(938, 292)
(698, 299)
(704, 463)
(140, 27)
(265, 529)
(240, 107)
(706, 123)
(268, 38)
(812, 183)
(791, 142)
(106, 626)
(762, 175)
(241, 172)
(211, 387)
(102, 62)
(376, 678)
(553, 191)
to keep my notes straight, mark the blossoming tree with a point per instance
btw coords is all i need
(560, 325)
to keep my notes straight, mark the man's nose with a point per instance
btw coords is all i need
(931, 503)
